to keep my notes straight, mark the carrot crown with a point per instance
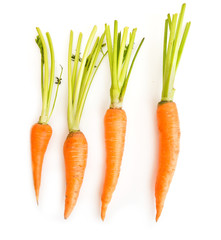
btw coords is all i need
(119, 57)
(80, 79)
(172, 51)
(46, 85)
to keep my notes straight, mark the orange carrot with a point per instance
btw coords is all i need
(40, 136)
(115, 129)
(115, 119)
(79, 82)
(75, 155)
(169, 145)
(41, 132)
(167, 115)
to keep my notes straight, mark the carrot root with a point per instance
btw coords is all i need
(169, 141)
(40, 136)
(75, 155)
(115, 129)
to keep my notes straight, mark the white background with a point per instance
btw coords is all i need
(192, 208)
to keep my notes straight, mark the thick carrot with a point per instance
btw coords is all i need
(115, 122)
(79, 82)
(40, 136)
(75, 155)
(115, 119)
(167, 115)
(41, 132)
(169, 145)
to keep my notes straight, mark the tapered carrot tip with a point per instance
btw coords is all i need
(67, 213)
(37, 194)
(103, 211)
(37, 199)
(158, 215)
(159, 211)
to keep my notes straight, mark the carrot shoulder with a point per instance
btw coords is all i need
(169, 145)
(115, 129)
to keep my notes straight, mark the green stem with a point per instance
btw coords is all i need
(165, 44)
(88, 68)
(129, 72)
(127, 59)
(122, 48)
(77, 55)
(42, 79)
(90, 79)
(43, 117)
(118, 47)
(70, 117)
(169, 21)
(56, 94)
(183, 43)
(109, 47)
(115, 83)
(52, 72)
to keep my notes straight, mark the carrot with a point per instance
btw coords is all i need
(115, 121)
(40, 136)
(75, 147)
(115, 118)
(169, 146)
(41, 132)
(75, 155)
(167, 115)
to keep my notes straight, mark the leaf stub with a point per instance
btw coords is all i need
(40, 45)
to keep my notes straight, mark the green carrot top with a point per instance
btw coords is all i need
(119, 54)
(46, 84)
(172, 51)
(80, 79)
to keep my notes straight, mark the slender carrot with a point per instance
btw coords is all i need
(75, 155)
(115, 119)
(115, 122)
(75, 147)
(167, 115)
(40, 136)
(41, 132)
(169, 146)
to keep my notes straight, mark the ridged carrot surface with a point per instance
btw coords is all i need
(40, 136)
(115, 129)
(75, 155)
(169, 145)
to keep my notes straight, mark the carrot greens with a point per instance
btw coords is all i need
(80, 79)
(119, 54)
(46, 82)
(172, 51)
